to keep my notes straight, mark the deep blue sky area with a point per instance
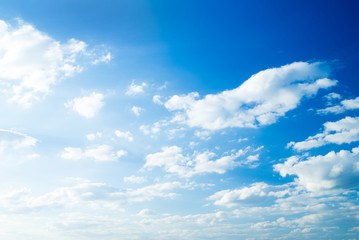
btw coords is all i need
(222, 43)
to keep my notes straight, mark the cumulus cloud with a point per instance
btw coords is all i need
(259, 101)
(231, 198)
(348, 104)
(31, 61)
(345, 130)
(172, 160)
(334, 170)
(127, 135)
(135, 89)
(137, 110)
(99, 153)
(87, 106)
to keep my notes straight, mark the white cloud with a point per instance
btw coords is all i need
(172, 160)
(121, 153)
(134, 179)
(334, 170)
(137, 110)
(154, 129)
(99, 153)
(242, 139)
(332, 96)
(135, 89)
(348, 104)
(127, 135)
(31, 61)
(231, 198)
(104, 58)
(351, 103)
(345, 130)
(87, 106)
(157, 99)
(83, 193)
(93, 136)
(259, 101)
(204, 135)
(13, 140)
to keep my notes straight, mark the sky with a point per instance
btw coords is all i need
(179, 119)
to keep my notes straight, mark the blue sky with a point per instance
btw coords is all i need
(179, 120)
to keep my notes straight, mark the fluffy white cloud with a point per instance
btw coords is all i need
(172, 160)
(345, 130)
(135, 89)
(260, 100)
(231, 198)
(334, 170)
(127, 135)
(99, 153)
(31, 61)
(137, 110)
(87, 106)
(348, 104)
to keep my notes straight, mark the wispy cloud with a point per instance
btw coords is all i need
(259, 101)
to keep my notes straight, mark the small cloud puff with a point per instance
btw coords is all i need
(127, 135)
(137, 110)
(87, 106)
(93, 136)
(135, 89)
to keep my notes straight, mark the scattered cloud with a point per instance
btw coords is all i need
(99, 153)
(93, 136)
(204, 135)
(259, 101)
(87, 106)
(345, 130)
(127, 135)
(349, 104)
(85, 193)
(105, 58)
(334, 170)
(172, 160)
(31, 61)
(137, 110)
(157, 99)
(135, 89)
(134, 179)
(231, 198)
(14, 140)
